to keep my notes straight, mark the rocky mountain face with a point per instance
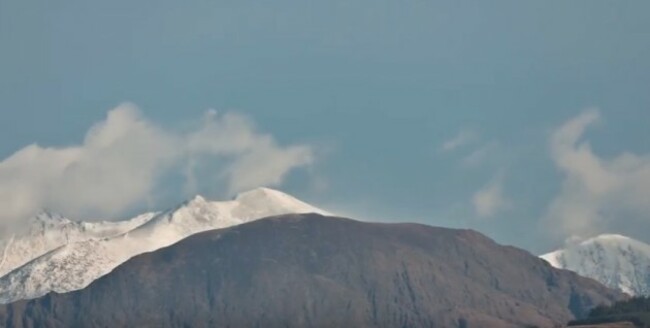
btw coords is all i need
(53, 253)
(315, 271)
(617, 261)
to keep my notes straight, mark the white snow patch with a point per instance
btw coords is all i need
(617, 261)
(72, 260)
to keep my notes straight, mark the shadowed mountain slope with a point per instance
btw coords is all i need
(68, 256)
(315, 271)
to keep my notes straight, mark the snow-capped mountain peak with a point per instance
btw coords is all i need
(96, 248)
(48, 216)
(613, 239)
(47, 220)
(48, 231)
(262, 193)
(199, 214)
(271, 198)
(266, 200)
(617, 261)
(198, 199)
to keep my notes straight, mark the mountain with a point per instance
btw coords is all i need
(78, 261)
(311, 270)
(634, 311)
(616, 261)
(47, 231)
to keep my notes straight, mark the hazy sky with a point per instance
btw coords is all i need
(525, 120)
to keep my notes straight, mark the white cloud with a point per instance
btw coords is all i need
(596, 191)
(480, 155)
(122, 160)
(478, 151)
(256, 159)
(491, 199)
(463, 138)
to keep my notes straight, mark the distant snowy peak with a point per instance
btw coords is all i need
(617, 261)
(273, 201)
(66, 263)
(46, 216)
(271, 196)
(48, 231)
(246, 205)
(46, 220)
(49, 222)
(41, 233)
(199, 214)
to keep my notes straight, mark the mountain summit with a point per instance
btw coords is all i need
(617, 261)
(308, 270)
(64, 255)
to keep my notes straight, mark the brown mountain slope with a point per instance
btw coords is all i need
(315, 271)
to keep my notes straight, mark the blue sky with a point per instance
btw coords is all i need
(374, 89)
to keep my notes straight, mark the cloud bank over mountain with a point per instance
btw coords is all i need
(123, 158)
(597, 192)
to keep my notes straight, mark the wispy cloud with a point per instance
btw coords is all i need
(596, 191)
(491, 199)
(481, 154)
(463, 138)
(475, 151)
(122, 160)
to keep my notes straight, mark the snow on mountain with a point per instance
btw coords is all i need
(616, 261)
(199, 215)
(77, 263)
(48, 231)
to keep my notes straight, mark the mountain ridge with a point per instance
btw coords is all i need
(76, 262)
(309, 270)
(47, 231)
(615, 260)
